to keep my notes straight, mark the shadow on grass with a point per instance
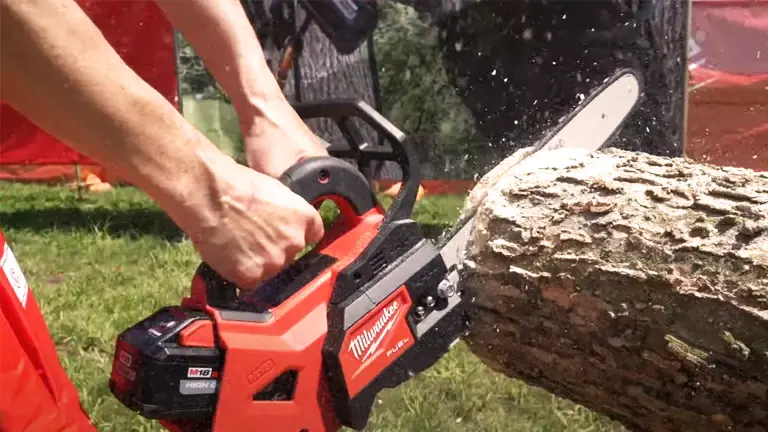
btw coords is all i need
(131, 223)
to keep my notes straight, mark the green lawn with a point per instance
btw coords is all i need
(102, 263)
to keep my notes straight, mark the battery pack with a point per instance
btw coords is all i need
(167, 366)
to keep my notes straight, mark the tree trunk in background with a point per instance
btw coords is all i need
(325, 74)
(632, 284)
(520, 66)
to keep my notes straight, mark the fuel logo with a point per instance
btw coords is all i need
(197, 372)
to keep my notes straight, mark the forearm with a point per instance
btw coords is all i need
(222, 36)
(59, 71)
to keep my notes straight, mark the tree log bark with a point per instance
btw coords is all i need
(635, 285)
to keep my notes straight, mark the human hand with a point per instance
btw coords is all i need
(258, 229)
(276, 140)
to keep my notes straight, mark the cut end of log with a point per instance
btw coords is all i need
(633, 284)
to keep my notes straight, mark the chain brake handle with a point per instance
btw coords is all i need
(321, 178)
(342, 112)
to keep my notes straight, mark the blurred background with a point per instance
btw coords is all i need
(469, 80)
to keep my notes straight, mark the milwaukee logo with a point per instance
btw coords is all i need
(196, 372)
(366, 343)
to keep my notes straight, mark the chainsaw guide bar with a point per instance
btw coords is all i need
(589, 127)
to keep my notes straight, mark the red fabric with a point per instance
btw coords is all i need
(36, 393)
(140, 33)
(728, 120)
(730, 36)
(728, 86)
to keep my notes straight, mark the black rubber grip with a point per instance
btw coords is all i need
(327, 177)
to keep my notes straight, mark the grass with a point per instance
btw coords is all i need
(100, 264)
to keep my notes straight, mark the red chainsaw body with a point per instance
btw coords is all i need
(293, 340)
(311, 348)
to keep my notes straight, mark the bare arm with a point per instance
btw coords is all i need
(275, 137)
(59, 71)
(221, 35)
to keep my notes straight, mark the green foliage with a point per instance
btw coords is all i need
(205, 104)
(416, 94)
(415, 91)
(194, 78)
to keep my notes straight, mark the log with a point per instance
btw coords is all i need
(632, 284)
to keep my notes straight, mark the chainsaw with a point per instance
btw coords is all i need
(372, 305)
(369, 307)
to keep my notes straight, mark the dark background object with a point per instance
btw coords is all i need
(526, 63)
(519, 66)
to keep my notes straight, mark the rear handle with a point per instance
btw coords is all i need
(315, 179)
(325, 177)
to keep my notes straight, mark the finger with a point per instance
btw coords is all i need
(315, 229)
(256, 281)
(252, 283)
(246, 277)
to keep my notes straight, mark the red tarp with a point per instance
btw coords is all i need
(140, 33)
(728, 86)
